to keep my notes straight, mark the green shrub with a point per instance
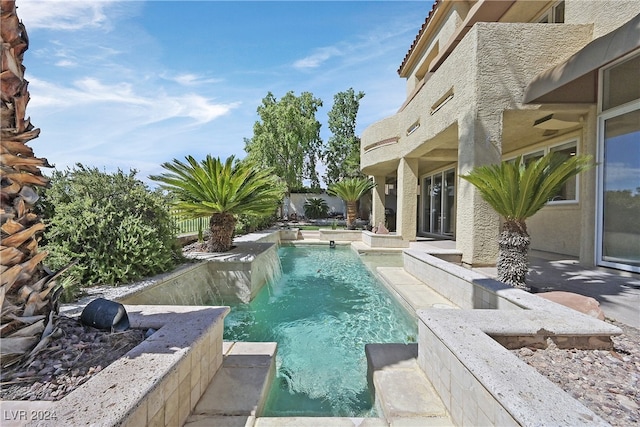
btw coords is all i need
(315, 208)
(250, 223)
(117, 229)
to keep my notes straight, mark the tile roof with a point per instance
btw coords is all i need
(422, 29)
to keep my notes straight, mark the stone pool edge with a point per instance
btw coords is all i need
(158, 382)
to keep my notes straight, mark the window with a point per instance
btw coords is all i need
(621, 84)
(532, 157)
(618, 228)
(569, 191)
(553, 15)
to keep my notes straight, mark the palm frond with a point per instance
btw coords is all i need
(201, 189)
(517, 191)
(351, 189)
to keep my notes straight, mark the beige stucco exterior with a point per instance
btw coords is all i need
(467, 73)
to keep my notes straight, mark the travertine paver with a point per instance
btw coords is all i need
(414, 292)
(405, 392)
(238, 388)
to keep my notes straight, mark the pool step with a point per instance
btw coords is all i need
(238, 389)
(403, 394)
(412, 291)
(310, 234)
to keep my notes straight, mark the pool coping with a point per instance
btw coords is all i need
(158, 382)
(465, 355)
(485, 293)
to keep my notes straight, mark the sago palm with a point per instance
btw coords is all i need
(351, 190)
(316, 207)
(517, 191)
(220, 191)
(26, 289)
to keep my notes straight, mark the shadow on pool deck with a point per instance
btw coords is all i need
(618, 292)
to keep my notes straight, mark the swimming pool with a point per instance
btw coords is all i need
(322, 311)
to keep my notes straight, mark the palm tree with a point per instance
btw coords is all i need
(220, 191)
(351, 190)
(316, 207)
(517, 191)
(27, 291)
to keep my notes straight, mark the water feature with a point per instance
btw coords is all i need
(322, 311)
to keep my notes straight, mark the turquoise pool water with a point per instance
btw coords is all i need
(322, 311)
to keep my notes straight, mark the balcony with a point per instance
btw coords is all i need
(485, 74)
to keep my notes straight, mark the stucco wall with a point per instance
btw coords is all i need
(511, 55)
(605, 15)
(556, 228)
(297, 201)
(489, 71)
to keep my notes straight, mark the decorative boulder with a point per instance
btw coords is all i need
(581, 303)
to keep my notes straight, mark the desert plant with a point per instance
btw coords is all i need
(315, 208)
(28, 292)
(250, 223)
(351, 190)
(516, 191)
(221, 191)
(112, 224)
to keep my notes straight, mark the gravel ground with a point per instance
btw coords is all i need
(605, 381)
(75, 354)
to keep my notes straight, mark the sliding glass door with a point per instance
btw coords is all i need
(618, 242)
(620, 191)
(438, 204)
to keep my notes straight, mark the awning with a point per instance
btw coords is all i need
(576, 79)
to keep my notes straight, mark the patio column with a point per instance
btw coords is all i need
(406, 219)
(378, 196)
(588, 187)
(477, 224)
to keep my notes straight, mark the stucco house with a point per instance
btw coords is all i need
(490, 80)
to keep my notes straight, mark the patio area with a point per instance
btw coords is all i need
(618, 292)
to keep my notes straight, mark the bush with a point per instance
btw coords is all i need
(117, 229)
(250, 223)
(307, 190)
(315, 208)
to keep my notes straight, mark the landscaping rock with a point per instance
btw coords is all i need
(581, 303)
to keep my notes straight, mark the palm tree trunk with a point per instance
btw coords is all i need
(222, 226)
(513, 252)
(352, 212)
(26, 290)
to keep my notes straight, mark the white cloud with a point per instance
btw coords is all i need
(190, 79)
(65, 63)
(69, 15)
(367, 48)
(145, 108)
(621, 176)
(317, 58)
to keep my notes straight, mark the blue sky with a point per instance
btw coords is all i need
(133, 84)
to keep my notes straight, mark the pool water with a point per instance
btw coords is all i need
(322, 311)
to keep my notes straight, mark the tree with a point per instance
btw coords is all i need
(221, 191)
(517, 191)
(287, 138)
(316, 207)
(115, 228)
(28, 292)
(351, 190)
(342, 155)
